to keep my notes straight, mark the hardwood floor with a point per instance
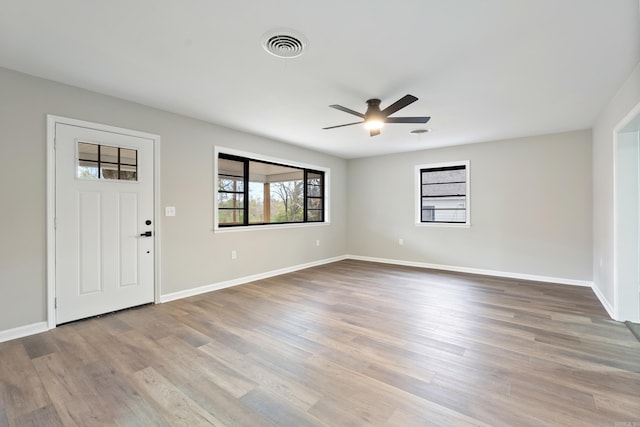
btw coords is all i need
(345, 344)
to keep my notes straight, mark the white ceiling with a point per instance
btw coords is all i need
(482, 69)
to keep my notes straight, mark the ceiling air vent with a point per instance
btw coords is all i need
(284, 43)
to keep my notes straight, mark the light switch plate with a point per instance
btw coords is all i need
(170, 211)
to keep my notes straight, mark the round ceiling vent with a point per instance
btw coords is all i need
(284, 43)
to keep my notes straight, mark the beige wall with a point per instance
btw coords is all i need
(192, 255)
(530, 208)
(627, 98)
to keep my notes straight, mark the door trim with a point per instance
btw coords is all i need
(52, 121)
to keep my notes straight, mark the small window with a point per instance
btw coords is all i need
(443, 193)
(258, 192)
(105, 162)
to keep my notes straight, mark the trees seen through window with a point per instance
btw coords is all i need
(256, 192)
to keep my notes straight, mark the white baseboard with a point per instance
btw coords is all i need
(607, 306)
(505, 274)
(39, 327)
(23, 331)
(241, 280)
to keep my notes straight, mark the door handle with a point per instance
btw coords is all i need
(146, 234)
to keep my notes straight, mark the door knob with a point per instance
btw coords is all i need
(146, 234)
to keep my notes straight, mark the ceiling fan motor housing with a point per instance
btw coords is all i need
(373, 111)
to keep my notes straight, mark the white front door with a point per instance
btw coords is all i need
(104, 222)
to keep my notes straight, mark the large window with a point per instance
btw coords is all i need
(443, 193)
(259, 192)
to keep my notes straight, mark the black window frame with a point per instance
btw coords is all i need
(431, 209)
(245, 192)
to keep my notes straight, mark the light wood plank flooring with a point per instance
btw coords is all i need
(345, 344)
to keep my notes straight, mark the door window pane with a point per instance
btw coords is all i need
(88, 170)
(88, 151)
(128, 157)
(109, 154)
(97, 161)
(108, 171)
(128, 173)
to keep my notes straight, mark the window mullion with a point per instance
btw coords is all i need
(305, 201)
(245, 187)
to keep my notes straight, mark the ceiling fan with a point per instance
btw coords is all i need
(374, 118)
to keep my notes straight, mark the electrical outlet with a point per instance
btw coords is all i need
(317, 242)
(401, 242)
(234, 255)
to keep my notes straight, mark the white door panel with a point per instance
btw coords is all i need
(102, 261)
(128, 246)
(89, 249)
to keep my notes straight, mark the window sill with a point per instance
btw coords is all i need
(443, 224)
(268, 227)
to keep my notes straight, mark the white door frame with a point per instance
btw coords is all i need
(618, 294)
(51, 203)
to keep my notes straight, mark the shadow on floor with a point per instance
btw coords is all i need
(634, 328)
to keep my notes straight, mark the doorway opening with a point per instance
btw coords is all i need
(626, 275)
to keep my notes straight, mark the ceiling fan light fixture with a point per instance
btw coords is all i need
(373, 118)
(374, 124)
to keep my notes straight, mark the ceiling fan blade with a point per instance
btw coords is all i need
(339, 126)
(347, 110)
(399, 104)
(374, 132)
(407, 119)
